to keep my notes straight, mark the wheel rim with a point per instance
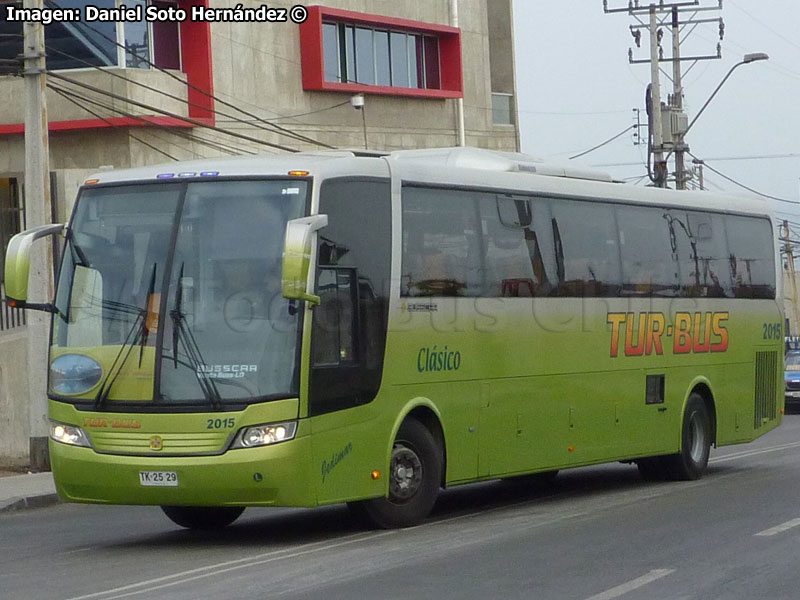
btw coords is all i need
(698, 433)
(406, 474)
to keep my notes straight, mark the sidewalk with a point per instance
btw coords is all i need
(33, 490)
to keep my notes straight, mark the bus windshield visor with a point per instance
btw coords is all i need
(170, 294)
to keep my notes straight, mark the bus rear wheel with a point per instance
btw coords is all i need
(203, 517)
(691, 462)
(415, 473)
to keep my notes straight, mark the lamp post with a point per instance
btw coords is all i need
(680, 177)
(748, 58)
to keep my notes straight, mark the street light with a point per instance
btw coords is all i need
(748, 58)
(680, 180)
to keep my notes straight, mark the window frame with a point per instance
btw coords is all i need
(448, 41)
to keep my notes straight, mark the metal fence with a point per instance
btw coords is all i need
(10, 318)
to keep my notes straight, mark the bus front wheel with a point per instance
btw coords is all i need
(203, 517)
(690, 463)
(415, 473)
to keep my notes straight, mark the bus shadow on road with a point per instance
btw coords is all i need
(573, 483)
(284, 528)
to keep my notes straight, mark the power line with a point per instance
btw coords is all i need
(608, 141)
(741, 185)
(141, 118)
(164, 93)
(169, 113)
(305, 114)
(215, 144)
(765, 26)
(720, 158)
(91, 112)
(277, 128)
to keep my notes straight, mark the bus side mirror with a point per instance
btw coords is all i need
(18, 265)
(297, 257)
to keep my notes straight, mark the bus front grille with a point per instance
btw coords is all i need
(765, 388)
(165, 444)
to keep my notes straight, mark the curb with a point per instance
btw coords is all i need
(26, 502)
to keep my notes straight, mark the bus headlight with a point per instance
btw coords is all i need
(74, 374)
(265, 435)
(69, 434)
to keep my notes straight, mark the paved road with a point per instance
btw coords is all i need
(596, 534)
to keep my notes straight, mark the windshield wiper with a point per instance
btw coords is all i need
(182, 333)
(137, 332)
(77, 250)
(145, 331)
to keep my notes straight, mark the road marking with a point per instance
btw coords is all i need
(150, 585)
(635, 584)
(779, 528)
(747, 453)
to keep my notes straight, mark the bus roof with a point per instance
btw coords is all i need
(471, 167)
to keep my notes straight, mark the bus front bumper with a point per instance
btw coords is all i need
(276, 475)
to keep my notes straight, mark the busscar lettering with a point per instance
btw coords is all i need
(691, 333)
(226, 371)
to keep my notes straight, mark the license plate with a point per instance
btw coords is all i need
(159, 478)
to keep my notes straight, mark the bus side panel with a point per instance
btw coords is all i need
(347, 446)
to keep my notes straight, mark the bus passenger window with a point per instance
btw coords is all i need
(516, 264)
(649, 264)
(442, 253)
(703, 255)
(751, 261)
(587, 233)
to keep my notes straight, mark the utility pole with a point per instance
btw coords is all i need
(792, 274)
(698, 163)
(668, 121)
(37, 212)
(656, 112)
(676, 101)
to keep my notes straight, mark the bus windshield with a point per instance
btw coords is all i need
(174, 291)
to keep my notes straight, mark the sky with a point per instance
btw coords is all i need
(576, 89)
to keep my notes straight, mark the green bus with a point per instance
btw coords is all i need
(319, 328)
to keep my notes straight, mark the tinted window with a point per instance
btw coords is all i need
(649, 261)
(587, 249)
(702, 254)
(520, 260)
(349, 327)
(751, 257)
(442, 243)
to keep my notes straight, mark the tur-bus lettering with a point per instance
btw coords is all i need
(691, 333)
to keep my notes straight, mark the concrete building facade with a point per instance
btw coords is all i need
(132, 93)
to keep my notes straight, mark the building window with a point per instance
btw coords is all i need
(354, 52)
(502, 109)
(378, 57)
(80, 45)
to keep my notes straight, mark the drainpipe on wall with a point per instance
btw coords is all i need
(460, 127)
